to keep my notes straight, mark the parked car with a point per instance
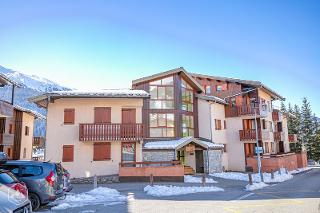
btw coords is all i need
(8, 179)
(11, 202)
(44, 180)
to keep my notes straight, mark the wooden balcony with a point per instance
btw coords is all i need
(249, 135)
(245, 110)
(111, 132)
(277, 136)
(275, 115)
(293, 138)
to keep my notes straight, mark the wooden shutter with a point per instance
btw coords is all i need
(101, 151)
(225, 124)
(128, 116)
(102, 115)
(69, 116)
(67, 153)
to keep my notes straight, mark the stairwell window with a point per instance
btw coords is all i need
(187, 126)
(187, 96)
(162, 93)
(161, 125)
(217, 124)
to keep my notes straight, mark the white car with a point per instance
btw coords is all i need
(12, 201)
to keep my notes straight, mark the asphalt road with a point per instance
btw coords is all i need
(300, 194)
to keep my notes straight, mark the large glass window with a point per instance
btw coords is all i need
(187, 125)
(161, 125)
(187, 96)
(162, 93)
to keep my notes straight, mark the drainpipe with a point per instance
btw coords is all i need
(211, 136)
(45, 135)
(12, 94)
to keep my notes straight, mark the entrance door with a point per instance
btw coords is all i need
(281, 147)
(128, 118)
(199, 161)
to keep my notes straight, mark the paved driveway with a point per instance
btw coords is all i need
(301, 194)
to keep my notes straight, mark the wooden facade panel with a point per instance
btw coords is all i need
(67, 153)
(102, 115)
(69, 116)
(102, 151)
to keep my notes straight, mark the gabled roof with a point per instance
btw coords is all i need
(177, 144)
(29, 111)
(212, 98)
(256, 84)
(107, 93)
(180, 70)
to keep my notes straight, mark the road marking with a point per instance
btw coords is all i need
(245, 196)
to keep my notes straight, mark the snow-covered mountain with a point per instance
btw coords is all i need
(31, 85)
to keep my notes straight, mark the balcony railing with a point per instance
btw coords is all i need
(249, 135)
(111, 132)
(293, 138)
(244, 110)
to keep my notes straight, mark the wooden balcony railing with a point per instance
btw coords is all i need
(293, 138)
(277, 136)
(249, 135)
(38, 141)
(237, 111)
(111, 132)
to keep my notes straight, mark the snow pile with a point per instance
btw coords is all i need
(100, 195)
(299, 170)
(192, 179)
(256, 186)
(161, 191)
(255, 177)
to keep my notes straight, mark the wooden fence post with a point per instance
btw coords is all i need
(151, 180)
(250, 178)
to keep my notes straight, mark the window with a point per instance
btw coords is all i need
(161, 125)
(67, 153)
(29, 171)
(26, 130)
(208, 89)
(233, 102)
(162, 94)
(217, 124)
(222, 87)
(187, 96)
(101, 151)
(102, 115)
(187, 126)
(7, 178)
(225, 124)
(266, 147)
(128, 151)
(10, 128)
(264, 124)
(68, 116)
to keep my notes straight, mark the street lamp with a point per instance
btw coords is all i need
(255, 106)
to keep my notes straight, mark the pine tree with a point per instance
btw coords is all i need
(307, 127)
(283, 108)
(290, 120)
(315, 143)
(294, 126)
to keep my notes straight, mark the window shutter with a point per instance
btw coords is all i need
(101, 151)
(69, 116)
(102, 115)
(67, 153)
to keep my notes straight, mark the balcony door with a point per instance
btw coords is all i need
(128, 121)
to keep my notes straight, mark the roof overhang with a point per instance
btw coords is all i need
(212, 98)
(179, 70)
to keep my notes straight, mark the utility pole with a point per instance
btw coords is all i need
(257, 141)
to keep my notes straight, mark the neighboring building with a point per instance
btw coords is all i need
(92, 132)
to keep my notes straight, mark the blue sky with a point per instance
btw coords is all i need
(106, 44)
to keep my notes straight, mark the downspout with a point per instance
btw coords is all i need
(45, 134)
(12, 94)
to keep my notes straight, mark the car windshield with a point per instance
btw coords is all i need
(7, 178)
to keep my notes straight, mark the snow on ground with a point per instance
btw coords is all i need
(256, 186)
(255, 176)
(299, 170)
(161, 191)
(100, 195)
(193, 179)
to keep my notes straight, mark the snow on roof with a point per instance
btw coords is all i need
(104, 93)
(34, 113)
(211, 98)
(179, 143)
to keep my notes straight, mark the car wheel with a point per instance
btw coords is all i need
(35, 201)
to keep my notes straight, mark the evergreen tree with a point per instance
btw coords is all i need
(283, 108)
(294, 126)
(307, 127)
(290, 120)
(316, 154)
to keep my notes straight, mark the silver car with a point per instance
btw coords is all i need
(12, 201)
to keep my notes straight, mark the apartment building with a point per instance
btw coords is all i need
(91, 132)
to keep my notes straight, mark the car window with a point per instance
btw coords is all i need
(12, 168)
(7, 178)
(28, 171)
